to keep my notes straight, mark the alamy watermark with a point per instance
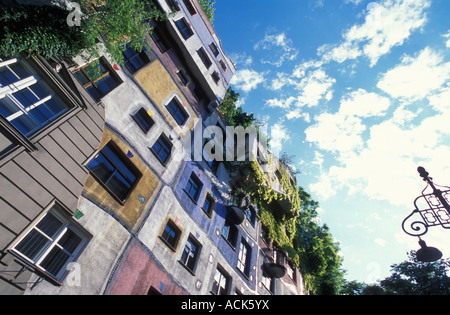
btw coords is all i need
(74, 17)
(235, 143)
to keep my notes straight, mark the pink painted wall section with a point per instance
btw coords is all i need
(139, 272)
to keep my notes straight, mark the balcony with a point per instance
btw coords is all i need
(276, 263)
(237, 206)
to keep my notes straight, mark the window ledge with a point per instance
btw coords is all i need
(186, 267)
(167, 244)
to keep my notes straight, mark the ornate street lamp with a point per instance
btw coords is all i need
(431, 209)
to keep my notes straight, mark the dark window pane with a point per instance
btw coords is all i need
(70, 241)
(33, 245)
(170, 235)
(55, 261)
(119, 186)
(50, 225)
(101, 167)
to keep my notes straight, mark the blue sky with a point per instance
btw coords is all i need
(359, 92)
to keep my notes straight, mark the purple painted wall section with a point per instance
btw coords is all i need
(214, 224)
(139, 272)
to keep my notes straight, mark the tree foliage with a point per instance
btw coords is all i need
(234, 114)
(208, 8)
(320, 262)
(117, 22)
(39, 30)
(44, 30)
(410, 277)
(296, 229)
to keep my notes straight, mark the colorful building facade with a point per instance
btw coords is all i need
(107, 195)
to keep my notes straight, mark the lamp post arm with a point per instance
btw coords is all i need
(424, 174)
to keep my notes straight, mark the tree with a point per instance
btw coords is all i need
(40, 30)
(410, 277)
(320, 262)
(43, 30)
(352, 288)
(117, 22)
(417, 278)
(234, 114)
(208, 8)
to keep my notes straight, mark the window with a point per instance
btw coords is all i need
(190, 254)
(133, 59)
(204, 57)
(177, 111)
(193, 187)
(143, 119)
(26, 101)
(184, 28)
(198, 93)
(53, 243)
(162, 149)
(215, 77)
(208, 205)
(267, 281)
(223, 65)
(221, 282)
(190, 7)
(214, 49)
(243, 263)
(160, 40)
(173, 5)
(251, 215)
(184, 78)
(171, 235)
(211, 161)
(114, 170)
(230, 232)
(97, 78)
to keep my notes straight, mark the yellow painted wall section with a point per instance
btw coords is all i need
(133, 211)
(159, 85)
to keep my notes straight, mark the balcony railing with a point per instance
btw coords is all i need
(275, 266)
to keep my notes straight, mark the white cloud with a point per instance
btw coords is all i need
(314, 87)
(364, 104)
(383, 166)
(281, 103)
(280, 46)
(447, 39)
(385, 169)
(278, 135)
(342, 132)
(353, 1)
(247, 79)
(337, 133)
(339, 52)
(241, 59)
(387, 24)
(416, 77)
(380, 242)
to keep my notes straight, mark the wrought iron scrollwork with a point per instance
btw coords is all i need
(431, 209)
(416, 228)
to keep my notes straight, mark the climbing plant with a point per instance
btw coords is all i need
(295, 228)
(279, 224)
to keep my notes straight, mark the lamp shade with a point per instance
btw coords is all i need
(428, 254)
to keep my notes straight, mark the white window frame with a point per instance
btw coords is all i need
(67, 224)
(26, 83)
